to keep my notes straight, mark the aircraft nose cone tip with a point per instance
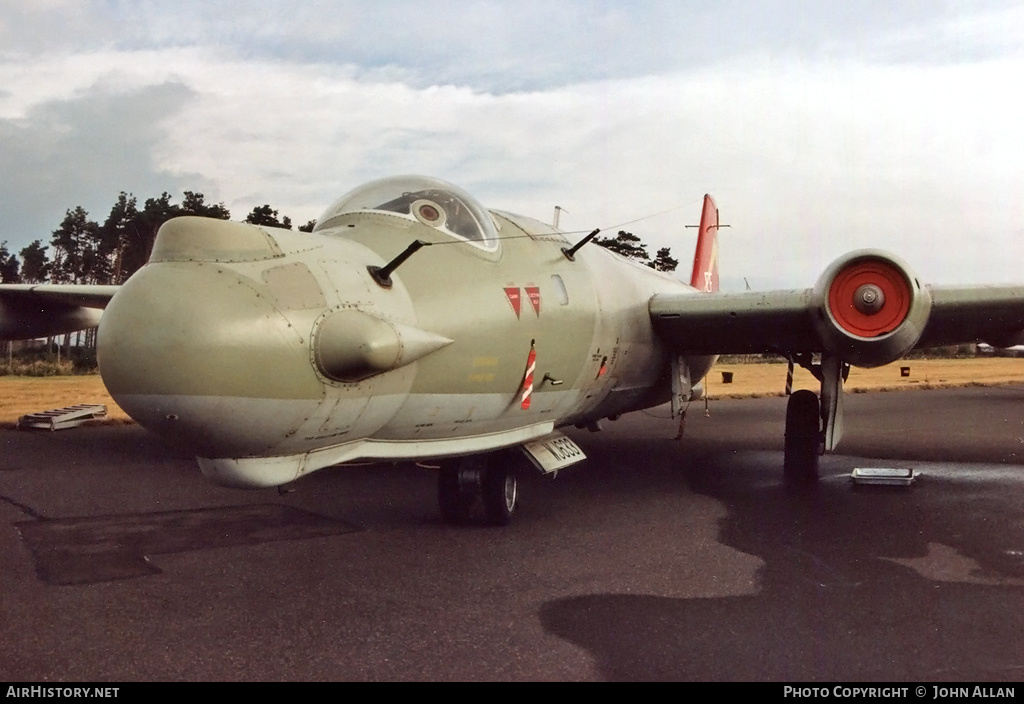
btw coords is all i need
(351, 345)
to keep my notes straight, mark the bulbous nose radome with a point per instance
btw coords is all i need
(193, 349)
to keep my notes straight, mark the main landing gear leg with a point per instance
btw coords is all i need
(480, 489)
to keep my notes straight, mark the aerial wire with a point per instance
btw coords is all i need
(557, 233)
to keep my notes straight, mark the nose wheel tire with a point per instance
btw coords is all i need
(803, 438)
(482, 490)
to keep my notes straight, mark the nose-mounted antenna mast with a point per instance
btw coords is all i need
(570, 252)
(558, 212)
(382, 274)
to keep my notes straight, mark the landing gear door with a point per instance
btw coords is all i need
(833, 371)
(682, 387)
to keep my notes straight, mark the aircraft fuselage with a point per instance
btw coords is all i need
(271, 353)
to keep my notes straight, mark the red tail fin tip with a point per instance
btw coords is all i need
(705, 256)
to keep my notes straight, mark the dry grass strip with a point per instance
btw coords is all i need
(22, 395)
(770, 379)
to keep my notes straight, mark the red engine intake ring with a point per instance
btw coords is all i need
(895, 290)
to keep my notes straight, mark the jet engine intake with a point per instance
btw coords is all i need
(870, 309)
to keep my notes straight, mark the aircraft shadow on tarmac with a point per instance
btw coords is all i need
(884, 585)
(104, 548)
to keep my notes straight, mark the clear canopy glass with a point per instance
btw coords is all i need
(428, 200)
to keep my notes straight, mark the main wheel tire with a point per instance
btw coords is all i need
(454, 495)
(479, 489)
(803, 438)
(500, 491)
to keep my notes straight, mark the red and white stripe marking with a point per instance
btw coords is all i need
(531, 365)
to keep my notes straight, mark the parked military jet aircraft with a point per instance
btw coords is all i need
(414, 324)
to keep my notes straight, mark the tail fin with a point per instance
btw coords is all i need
(705, 257)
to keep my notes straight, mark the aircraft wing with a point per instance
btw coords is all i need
(825, 318)
(28, 311)
(735, 323)
(992, 314)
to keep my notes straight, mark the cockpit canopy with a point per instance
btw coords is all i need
(427, 200)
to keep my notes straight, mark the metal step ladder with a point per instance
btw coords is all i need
(61, 418)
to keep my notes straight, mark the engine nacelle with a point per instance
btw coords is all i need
(870, 308)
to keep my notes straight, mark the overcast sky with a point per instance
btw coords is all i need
(818, 127)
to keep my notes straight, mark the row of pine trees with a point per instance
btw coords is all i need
(83, 251)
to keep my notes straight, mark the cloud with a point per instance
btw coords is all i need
(817, 129)
(499, 46)
(84, 151)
